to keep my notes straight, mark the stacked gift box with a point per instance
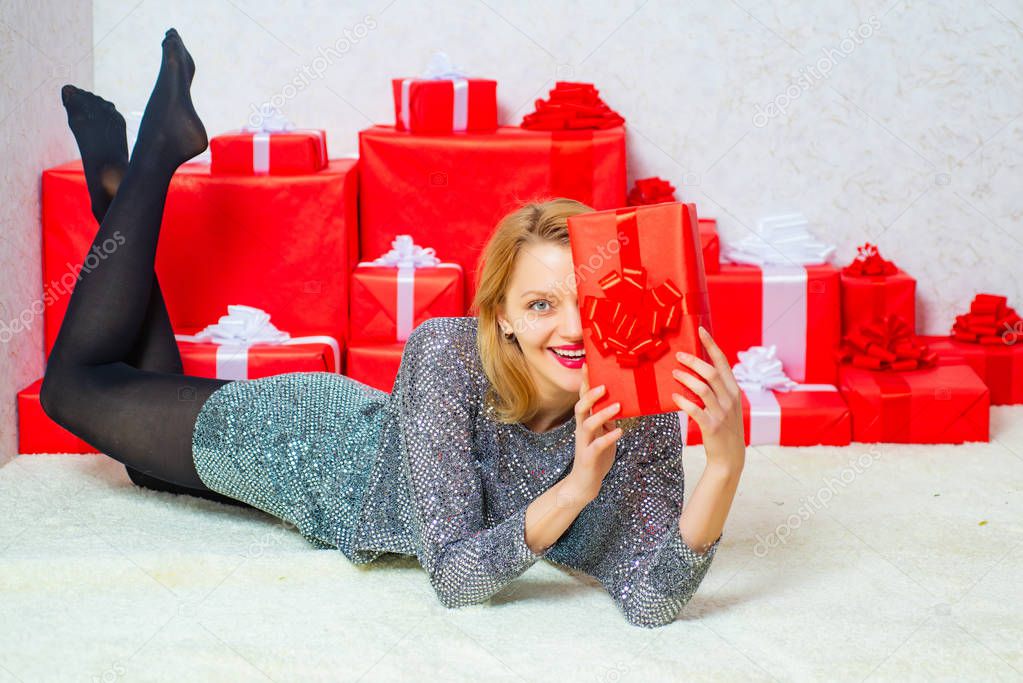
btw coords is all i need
(274, 258)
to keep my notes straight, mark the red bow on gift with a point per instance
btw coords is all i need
(572, 106)
(651, 191)
(868, 261)
(631, 319)
(988, 320)
(886, 344)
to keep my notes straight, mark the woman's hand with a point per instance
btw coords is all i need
(720, 419)
(595, 439)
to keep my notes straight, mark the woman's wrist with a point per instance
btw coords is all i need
(578, 489)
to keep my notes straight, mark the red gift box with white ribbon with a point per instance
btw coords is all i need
(400, 289)
(776, 288)
(273, 147)
(444, 100)
(778, 411)
(244, 344)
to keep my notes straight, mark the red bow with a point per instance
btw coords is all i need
(651, 191)
(988, 320)
(631, 319)
(886, 344)
(868, 261)
(572, 106)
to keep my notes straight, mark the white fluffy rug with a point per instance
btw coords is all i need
(871, 562)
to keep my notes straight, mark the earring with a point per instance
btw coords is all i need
(508, 335)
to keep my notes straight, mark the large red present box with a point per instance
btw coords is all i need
(776, 410)
(935, 404)
(374, 364)
(388, 301)
(642, 297)
(873, 287)
(793, 307)
(1000, 366)
(285, 152)
(451, 190)
(284, 243)
(37, 433)
(427, 105)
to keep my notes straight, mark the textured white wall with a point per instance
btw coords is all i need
(906, 133)
(43, 45)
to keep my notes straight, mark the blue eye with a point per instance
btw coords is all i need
(539, 301)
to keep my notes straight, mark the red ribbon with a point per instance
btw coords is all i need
(572, 106)
(869, 262)
(651, 191)
(989, 321)
(886, 343)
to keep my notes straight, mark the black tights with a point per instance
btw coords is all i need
(114, 376)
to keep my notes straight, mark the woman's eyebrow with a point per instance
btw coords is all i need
(537, 291)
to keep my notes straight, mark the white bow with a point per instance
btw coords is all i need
(440, 68)
(759, 370)
(780, 240)
(243, 325)
(406, 253)
(271, 120)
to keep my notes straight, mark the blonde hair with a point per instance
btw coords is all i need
(512, 394)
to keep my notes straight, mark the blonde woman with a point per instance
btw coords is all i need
(484, 458)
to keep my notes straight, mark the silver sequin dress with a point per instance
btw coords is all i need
(427, 471)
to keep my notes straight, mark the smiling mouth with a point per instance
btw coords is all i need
(570, 355)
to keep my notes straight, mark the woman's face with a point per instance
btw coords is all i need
(541, 309)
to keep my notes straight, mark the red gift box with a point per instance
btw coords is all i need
(643, 296)
(990, 339)
(393, 294)
(779, 411)
(711, 245)
(935, 404)
(873, 287)
(432, 106)
(793, 307)
(453, 189)
(285, 152)
(284, 243)
(374, 364)
(37, 433)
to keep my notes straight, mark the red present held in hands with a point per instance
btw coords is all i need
(642, 293)
(572, 106)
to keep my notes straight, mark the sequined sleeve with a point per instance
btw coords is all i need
(467, 562)
(652, 573)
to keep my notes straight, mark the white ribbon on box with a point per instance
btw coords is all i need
(440, 68)
(406, 256)
(782, 246)
(243, 327)
(759, 374)
(272, 121)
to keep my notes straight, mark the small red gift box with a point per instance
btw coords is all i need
(399, 290)
(897, 394)
(430, 106)
(873, 287)
(990, 340)
(244, 344)
(37, 433)
(778, 411)
(285, 152)
(374, 364)
(643, 296)
(451, 190)
(285, 243)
